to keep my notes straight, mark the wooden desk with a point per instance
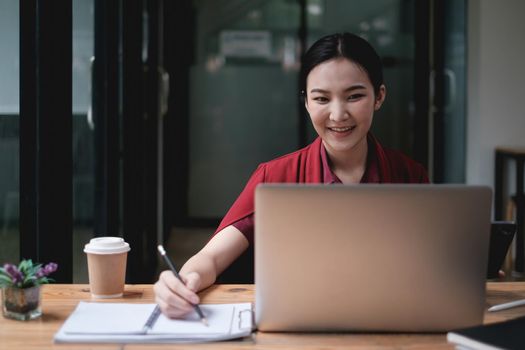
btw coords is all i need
(60, 299)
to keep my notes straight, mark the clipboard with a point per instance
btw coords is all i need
(93, 322)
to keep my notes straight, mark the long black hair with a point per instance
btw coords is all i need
(345, 45)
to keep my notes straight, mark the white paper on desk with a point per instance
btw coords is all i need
(108, 318)
(124, 323)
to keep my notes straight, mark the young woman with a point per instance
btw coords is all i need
(342, 86)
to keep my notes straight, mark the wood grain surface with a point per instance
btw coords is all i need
(59, 300)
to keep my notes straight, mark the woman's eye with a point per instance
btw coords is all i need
(320, 99)
(355, 97)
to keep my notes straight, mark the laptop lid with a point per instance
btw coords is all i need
(370, 257)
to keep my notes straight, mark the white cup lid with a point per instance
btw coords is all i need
(106, 245)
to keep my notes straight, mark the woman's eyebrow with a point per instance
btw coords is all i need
(319, 90)
(348, 89)
(355, 87)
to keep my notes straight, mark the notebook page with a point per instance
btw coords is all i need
(223, 326)
(108, 318)
(220, 318)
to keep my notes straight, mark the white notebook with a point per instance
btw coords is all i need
(143, 323)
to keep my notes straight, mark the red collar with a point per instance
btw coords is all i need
(371, 174)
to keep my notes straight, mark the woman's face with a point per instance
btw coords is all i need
(341, 102)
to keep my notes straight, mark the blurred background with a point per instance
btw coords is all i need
(168, 107)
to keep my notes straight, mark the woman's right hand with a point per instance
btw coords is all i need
(176, 299)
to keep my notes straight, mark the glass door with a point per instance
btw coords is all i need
(243, 103)
(243, 96)
(449, 93)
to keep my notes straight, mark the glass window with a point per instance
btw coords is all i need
(243, 96)
(83, 138)
(454, 110)
(9, 131)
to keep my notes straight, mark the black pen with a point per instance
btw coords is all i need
(174, 270)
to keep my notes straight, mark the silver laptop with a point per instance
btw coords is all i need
(396, 258)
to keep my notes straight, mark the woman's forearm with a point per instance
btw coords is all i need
(226, 246)
(204, 266)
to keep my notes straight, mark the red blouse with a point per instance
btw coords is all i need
(310, 165)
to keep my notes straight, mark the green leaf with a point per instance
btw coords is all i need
(34, 269)
(24, 264)
(28, 281)
(5, 278)
(5, 281)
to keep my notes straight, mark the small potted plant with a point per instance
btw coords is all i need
(21, 288)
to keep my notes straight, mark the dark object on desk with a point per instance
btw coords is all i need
(503, 156)
(504, 335)
(501, 235)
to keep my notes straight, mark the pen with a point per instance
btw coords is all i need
(174, 270)
(505, 306)
(152, 319)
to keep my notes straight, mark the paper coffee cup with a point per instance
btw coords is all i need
(107, 266)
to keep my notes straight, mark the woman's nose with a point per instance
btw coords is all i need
(338, 112)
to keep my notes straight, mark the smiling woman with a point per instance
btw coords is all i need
(341, 103)
(342, 86)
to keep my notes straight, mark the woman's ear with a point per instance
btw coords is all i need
(380, 98)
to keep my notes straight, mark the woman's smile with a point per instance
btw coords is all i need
(341, 132)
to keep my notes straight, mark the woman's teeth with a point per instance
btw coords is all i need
(343, 129)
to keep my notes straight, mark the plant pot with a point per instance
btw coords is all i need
(21, 303)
